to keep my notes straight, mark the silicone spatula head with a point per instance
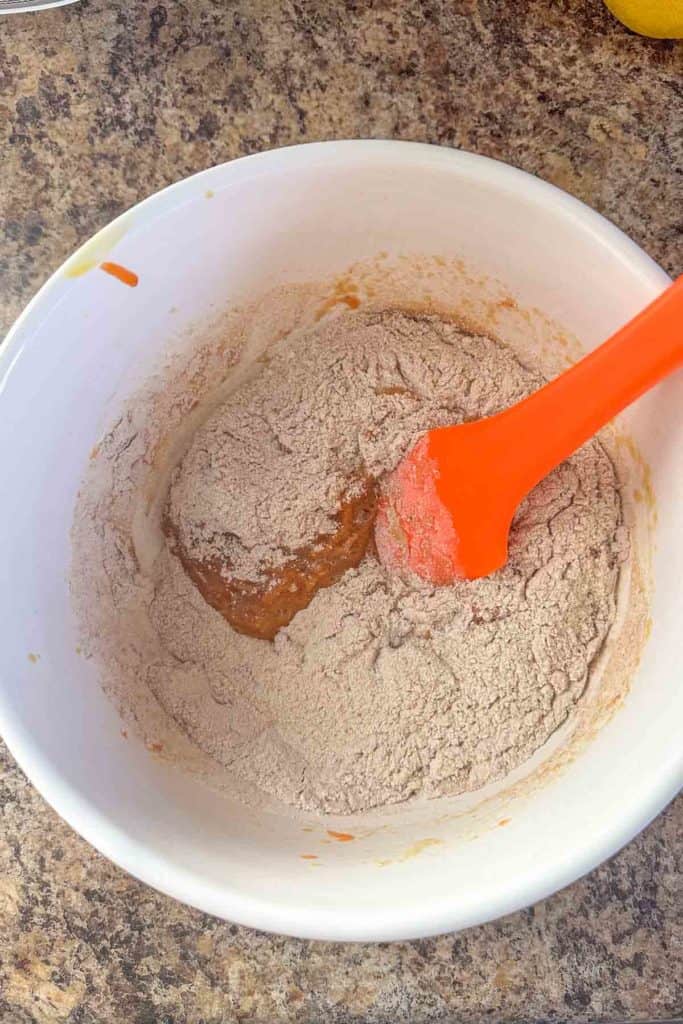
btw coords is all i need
(445, 513)
(447, 509)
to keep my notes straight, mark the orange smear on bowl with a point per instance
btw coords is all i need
(341, 837)
(122, 274)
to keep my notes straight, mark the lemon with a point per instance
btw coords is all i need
(661, 19)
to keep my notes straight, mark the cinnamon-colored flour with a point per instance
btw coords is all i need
(380, 687)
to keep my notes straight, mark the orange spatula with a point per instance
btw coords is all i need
(447, 508)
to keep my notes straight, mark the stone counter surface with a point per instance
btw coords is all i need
(106, 101)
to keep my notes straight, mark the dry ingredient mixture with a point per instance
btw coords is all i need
(374, 688)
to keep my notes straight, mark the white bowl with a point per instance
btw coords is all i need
(281, 216)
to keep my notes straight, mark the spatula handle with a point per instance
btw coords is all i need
(561, 416)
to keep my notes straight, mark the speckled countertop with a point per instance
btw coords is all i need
(106, 101)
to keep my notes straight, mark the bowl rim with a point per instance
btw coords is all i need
(312, 922)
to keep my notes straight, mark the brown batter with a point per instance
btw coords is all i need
(261, 609)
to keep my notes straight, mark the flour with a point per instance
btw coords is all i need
(382, 688)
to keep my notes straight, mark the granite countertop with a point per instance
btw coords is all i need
(106, 101)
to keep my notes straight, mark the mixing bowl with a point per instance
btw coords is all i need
(76, 352)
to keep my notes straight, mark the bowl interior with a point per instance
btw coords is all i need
(85, 343)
